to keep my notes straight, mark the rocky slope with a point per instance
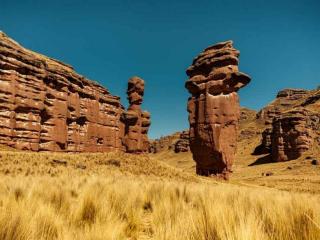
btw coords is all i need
(283, 130)
(164, 143)
(292, 124)
(179, 141)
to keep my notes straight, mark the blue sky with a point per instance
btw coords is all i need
(110, 41)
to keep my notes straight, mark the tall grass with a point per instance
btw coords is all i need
(124, 207)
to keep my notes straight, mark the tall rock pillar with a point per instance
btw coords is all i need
(137, 122)
(214, 110)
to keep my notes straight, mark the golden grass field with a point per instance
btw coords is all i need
(122, 196)
(296, 175)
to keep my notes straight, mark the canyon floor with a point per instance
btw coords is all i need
(156, 196)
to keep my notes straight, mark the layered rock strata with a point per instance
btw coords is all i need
(290, 126)
(291, 135)
(214, 110)
(137, 122)
(46, 106)
(182, 145)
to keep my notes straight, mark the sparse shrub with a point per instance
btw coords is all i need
(18, 193)
(88, 211)
(114, 162)
(59, 162)
(80, 166)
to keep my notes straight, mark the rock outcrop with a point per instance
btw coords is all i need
(164, 143)
(46, 106)
(214, 109)
(182, 144)
(291, 135)
(291, 124)
(137, 122)
(179, 141)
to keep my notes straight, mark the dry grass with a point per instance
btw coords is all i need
(123, 207)
(120, 196)
(297, 175)
(86, 164)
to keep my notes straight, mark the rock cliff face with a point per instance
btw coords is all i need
(291, 124)
(137, 122)
(214, 110)
(291, 135)
(46, 106)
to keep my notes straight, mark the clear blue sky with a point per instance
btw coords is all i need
(110, 41)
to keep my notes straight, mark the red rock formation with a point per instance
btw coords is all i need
(45, 105)
(214, 109)
(136, 121)
(179, 141)
(182, 145)
(290, 126)
(164, 143)
(291, 135)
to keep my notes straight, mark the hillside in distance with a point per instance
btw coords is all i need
(254, 163)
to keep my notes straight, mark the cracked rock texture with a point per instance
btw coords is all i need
(214, 110)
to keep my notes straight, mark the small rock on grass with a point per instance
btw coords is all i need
(267, 174)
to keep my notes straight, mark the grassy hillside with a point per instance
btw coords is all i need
(122, 196)
(258, 170)
(121, 206)
(248, 169)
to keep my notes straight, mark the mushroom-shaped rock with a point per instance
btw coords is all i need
(213, 107)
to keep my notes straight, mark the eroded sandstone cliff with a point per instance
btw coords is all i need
(46, 106)
(292, 124)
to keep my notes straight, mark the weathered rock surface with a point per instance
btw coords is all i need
(183, 144)
(46, 106)
(291, 124)
(179, 141)
(137, 122)
(214, 109)
(291, 135)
